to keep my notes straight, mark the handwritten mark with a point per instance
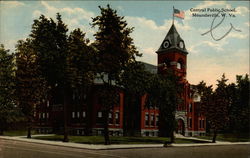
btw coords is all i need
(213, 27)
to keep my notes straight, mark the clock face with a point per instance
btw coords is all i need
(165, 44)
(181, 44)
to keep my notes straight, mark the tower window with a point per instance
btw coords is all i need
(178, 66)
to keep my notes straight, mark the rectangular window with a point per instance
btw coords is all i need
(47, 103)
(99, 114)
(203, 123)
(39, 115)
(110, 118)
(43, 114)
(83, 114)
(47, 115)
(157, 120)
(190, 122)
(117, 121)
(78, 114)
(147, 120)
(190, 107)
(152, 120)
(73, 114)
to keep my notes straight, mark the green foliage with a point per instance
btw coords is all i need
(239, 106)
(115, 49)
(30, 85)
(163, 93)
(80, 63)
(113, 42)
(9, 112)
(49, 41)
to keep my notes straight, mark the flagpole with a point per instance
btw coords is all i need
(173, 16)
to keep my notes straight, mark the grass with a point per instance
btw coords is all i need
(244, 137)
(13, 133)
(117, 140)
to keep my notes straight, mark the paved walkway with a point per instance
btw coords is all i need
(116, 146)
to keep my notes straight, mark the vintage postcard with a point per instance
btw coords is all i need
(80, 78)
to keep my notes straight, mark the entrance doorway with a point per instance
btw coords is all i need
(181, 127)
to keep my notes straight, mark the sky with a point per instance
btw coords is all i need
(207, 60)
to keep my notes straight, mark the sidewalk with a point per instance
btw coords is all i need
(114, 146)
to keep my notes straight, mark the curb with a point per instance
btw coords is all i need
(117, 146)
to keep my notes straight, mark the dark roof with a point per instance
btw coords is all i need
(174, 39)
(151, 68)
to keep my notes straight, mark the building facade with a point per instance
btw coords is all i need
(86, 117)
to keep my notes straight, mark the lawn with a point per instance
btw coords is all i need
(244, 137)
(117, 140)
(16, 133)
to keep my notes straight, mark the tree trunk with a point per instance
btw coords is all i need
(172, 140)
(65, 102)
(29, 128)
(106, 129)
(1, 131)
(214, 136)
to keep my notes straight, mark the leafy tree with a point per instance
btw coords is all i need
(163, 93)
(215, 105)
(115, 50)
(49, 40)
(30, 86)
(9, 112)
(239, 105)
(80, 65)
(135, 83)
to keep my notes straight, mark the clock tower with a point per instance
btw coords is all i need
(172, 54)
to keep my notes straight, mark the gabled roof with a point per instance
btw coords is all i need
(174, 39)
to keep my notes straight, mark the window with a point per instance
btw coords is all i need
(99, 114)
(43, 114)
(178, 66)
(117, 121)
(39, 115)
(110, 118)
(157, 120)
(78, 114)
(47, 103)
(190, 107)
(47, 115)
(147, 120)
(73, 114)
(83, 114)
(152, 120)
(190, 122)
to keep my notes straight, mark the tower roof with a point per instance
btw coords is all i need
(172, 41)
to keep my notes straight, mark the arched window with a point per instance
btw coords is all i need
(167, 63)
(180, 64)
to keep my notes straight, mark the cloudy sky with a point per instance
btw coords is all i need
(207, 59)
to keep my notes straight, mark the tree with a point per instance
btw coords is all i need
(30, 86)
(80, 65)
(239, 105)
(9, 112)
(163, 93)
(135, 83)
(49, 40)
(215, 104)
(115, 50)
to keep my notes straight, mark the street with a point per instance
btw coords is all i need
(18, 149)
